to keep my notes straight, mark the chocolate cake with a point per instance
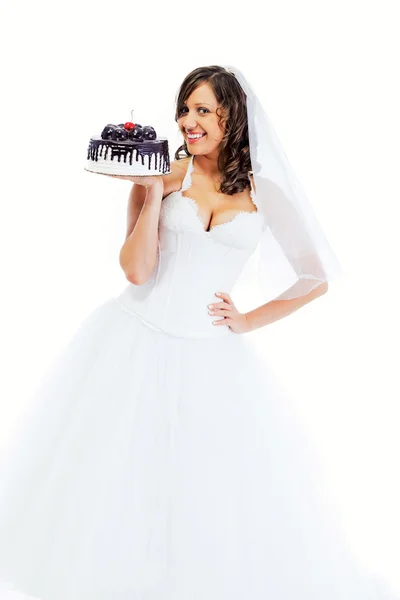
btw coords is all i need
(128, 149)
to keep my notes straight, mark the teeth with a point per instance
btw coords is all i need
(197, 135)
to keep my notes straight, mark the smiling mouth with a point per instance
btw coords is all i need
(192, 140)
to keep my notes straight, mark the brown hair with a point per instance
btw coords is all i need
(234, 153)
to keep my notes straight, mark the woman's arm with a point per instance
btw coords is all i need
(144, 209)
(136, 200)
(139, 252)
(276, 309)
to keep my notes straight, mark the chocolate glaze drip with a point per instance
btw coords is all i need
(129, 150)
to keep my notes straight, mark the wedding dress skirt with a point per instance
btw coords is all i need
(156, 467)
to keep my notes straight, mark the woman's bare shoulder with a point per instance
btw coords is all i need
(173, 181)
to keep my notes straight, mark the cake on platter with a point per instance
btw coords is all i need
(128, 149)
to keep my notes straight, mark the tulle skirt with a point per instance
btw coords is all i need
(155, 467)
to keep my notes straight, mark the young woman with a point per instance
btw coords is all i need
(159, 460)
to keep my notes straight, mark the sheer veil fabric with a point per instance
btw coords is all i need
(294, 254)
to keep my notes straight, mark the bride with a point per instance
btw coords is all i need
(158, 459)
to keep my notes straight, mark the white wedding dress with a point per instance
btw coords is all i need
(159, 459)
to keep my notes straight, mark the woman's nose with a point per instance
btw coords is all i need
(189, 122)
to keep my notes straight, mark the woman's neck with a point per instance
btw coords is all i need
(208, 167)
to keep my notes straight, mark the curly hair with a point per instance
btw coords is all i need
(234, 154)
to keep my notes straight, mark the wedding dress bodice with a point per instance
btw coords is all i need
(192, 265)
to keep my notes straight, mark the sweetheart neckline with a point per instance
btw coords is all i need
(193, 203)
(186, 184)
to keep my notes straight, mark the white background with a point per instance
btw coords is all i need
(328, 75)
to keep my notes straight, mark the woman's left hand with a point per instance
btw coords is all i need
(237, 321)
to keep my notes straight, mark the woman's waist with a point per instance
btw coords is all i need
(174, 314)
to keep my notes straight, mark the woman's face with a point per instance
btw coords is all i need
(198, 116)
